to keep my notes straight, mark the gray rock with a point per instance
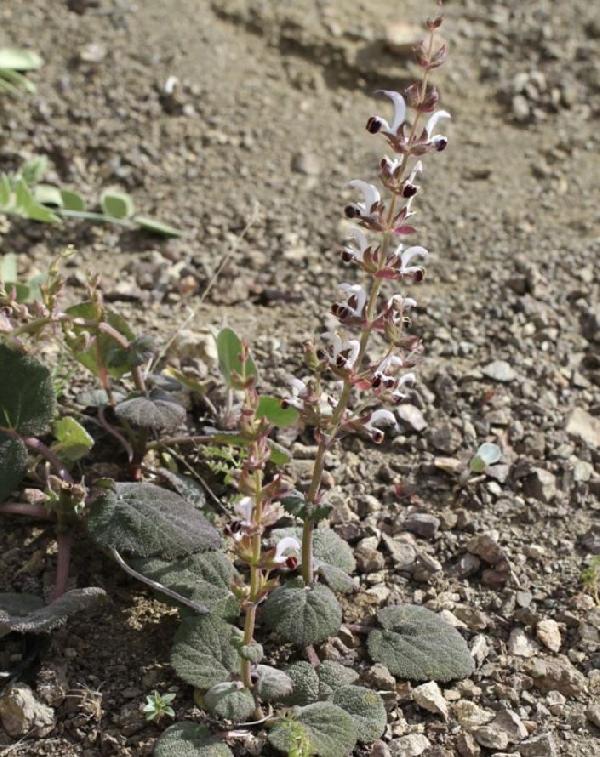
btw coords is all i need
(500, 371)
(21, 714)
(512, 725)
(429, 697)
(368, 558)
(470, 715)
(590, 324)
(402, 549)
(593, 714)
(306, 163)
(557, 674)
(548, 632)
(521, 109)
(411, 416)
(541, 485)
(491, 737)
(422, 524)
(580, 423)
(520, 645)
(412, 745)
(539, 746)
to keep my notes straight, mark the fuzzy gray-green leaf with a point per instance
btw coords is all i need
(144, 520)
(205, 578)
(158, 412)
(305, 683)
(203, 653)
(272, 685)
(302, 615)
(329, 730)
(187, 739)
(229, 701)
(417, 644)
(366, 708)
(27, 399)
(13, 464)
(333, 676)
(23, 616)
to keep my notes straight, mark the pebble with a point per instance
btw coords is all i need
(500, 371)
(429, 697)
(580, 423)
(541, 485)
(471, 715)
(412, 745)
(491, 738)
(402, 549)
(557, 674)
(411, 416)
(422, 524)
(379, 677)
(368, 558)
(538, 746)
(593, 714)
(548, 632)
(520, 645)
(21, 714)
(511, 724)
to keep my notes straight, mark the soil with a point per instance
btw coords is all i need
(250, 156)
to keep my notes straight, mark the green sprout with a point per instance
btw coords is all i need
(158, 706)
(590, 578)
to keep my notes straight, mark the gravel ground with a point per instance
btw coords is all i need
(259, 138)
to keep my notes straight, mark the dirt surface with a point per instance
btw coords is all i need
(259, 139)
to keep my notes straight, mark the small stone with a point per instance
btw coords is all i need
(479, 648)
(511, 724)
(402, 549)
(548, 632)
(557, 674)
(538, 746)
(422, 524)
(487, 548)
(445, 438)
(470, 715)
(306, 163)
(411, 416)
(368, 558)
(541, 485)
(491, 738)
(429, 697)
(466, 746)
(593, 714)
(21, 714)
(520, 644)
(500, 371)
(402, 36)
(95, 52)
(521, 110)
(412, 745)
(379, 677)
(556, 702)
(580, 423)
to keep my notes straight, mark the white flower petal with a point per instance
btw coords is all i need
(369, 191)
(287, 543)
(382, 417)
(399, 109)
(412, 252)
(244, 508)
(431, 123)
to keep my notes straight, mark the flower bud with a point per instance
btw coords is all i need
(374, 125)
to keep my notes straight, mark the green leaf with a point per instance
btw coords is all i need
(277, 415)
(333, 676)
(21, 614)
(187, 739)
(157, 227)
(116, 204)
(229, 349)
(46, 194)
(33, 170)
(186, 486)
(19, 60)
(417, 644)
(144, 520)
(13, 464)
(72, 440)
(27, 400)
(302, 615)
(335, 578)
(203, 653)
(12, 82)
(366, 709)
(330, 731)
(204, 578)
(8, 268)
(229, 701)
(30, 208)
(72, 200)
(272, 685)
(305, 683)
(156, 412)
(5, 190)
(111, 354)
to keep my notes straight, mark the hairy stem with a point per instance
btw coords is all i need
(64, 540)
(255, 573)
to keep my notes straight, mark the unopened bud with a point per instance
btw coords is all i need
(374, 125)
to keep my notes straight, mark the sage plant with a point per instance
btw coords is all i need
(382, 222)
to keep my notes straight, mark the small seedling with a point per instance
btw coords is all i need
(590, 578)
(14, 64)
(158, 706)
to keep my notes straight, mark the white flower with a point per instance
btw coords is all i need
(377, 123)
(370, 195)
(357, 251)
(399, 302)
(356, 293)
(286, 544)
(343, 353)
(299, 391)
(439, 140)
(244, 509)
(379, 418)
(408, 254)
(408, 378)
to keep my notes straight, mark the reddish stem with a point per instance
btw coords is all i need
(35, 444)
(21, 508)
(64, 540)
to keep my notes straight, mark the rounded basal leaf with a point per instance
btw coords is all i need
(27, 400)
(72, 200)
(366, 709)
(302, 615)
(13, 464)
(335, 578)
(186, 486)
(24, 615)
(72, 440)
(417, 644)
(205, 578)
(333, 676)
(305, 683)
(188, 739)
(327, 729)
(229, 701)
(158, 412)
(203, 653)
(332, 549)
(144, 520)
(272, 685)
